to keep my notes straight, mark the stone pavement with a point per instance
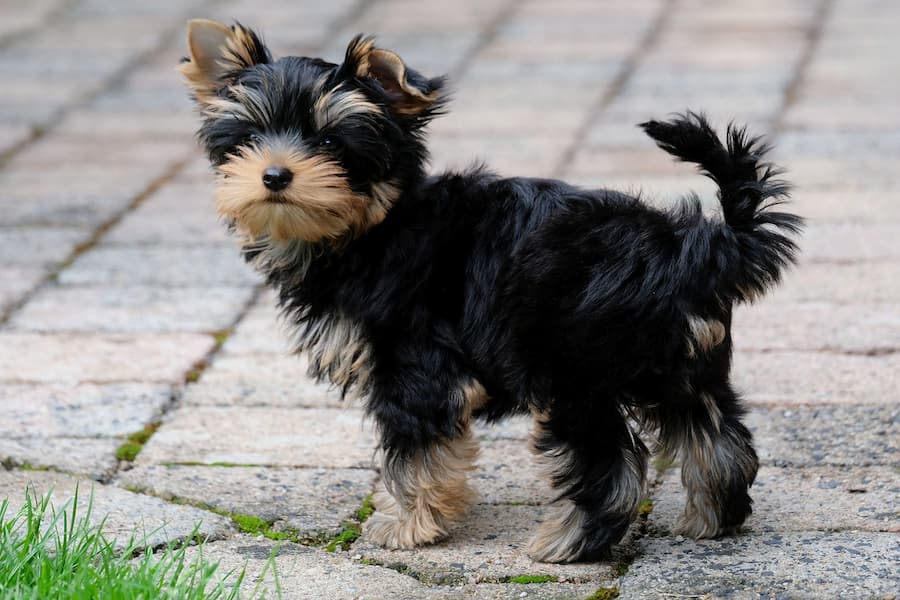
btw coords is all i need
(124, 308)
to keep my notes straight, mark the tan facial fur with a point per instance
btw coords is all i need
(317, 205)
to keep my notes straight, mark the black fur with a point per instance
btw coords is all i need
(575, 304)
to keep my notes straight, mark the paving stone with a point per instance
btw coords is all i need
(313, 437)
(816, 378)
(851, 283)
(310, 501)
(809, 499)
(827, 435)
(132, 309)
(260, 331)
(72, 358)
(506, 474)
(842, 206)
(487, 547)
(175, 266)
(92, 457)
(84, 410)
(76, 149)
(33, 246)
(851, 242)
(306, 572)
(262, 380)
(780, 565)
(151, 520)
(860, 328)
(159, 225)
(513, 428)
(15, 282)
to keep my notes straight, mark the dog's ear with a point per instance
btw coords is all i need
(218, 53)
(410, 94)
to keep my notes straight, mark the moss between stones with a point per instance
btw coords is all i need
(662, 463)
(526, 579)
(135, 442)
(604, 594)
(365, 511)
(620, 569)
(645, 508)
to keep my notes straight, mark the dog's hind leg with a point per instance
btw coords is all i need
(718, 462)
(598, 466)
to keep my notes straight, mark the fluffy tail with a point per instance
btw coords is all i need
(748, 190)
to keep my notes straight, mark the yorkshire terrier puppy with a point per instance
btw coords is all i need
(442, 299)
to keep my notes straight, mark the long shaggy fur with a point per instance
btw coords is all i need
(439, 299)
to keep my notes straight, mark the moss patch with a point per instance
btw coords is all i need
(620, 569)
(663, 463)
(645, 508)
(604, 594)
(526, 579)
(365, 511)
(349, 534)
(135, 442)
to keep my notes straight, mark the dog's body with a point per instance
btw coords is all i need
(466, 295)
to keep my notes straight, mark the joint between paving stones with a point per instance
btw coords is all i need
(618, 83)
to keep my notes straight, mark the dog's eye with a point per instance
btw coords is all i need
(329, 142)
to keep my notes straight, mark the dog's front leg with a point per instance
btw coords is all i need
(428, 452)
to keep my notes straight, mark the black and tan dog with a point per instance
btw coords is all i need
(465, 295)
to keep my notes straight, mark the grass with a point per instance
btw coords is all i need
(50, 554)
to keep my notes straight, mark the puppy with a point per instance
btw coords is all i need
(441, 299)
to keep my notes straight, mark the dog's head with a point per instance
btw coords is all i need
(306, 149)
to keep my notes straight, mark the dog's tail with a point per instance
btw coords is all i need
(758, 239)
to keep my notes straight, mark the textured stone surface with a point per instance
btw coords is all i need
(811, 499)
(507, 474)
(91, 457)
(793, 565)
(859, 328)
(39, 246)
(85, 410)
(310, 501)
(168, 266)
(816, 378)
(16, 282)
(827, 435)
(71, 358)
(262, 436)
(132, 309)
(151, 520)
(261, 380)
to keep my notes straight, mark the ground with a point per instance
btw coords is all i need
(137, 352)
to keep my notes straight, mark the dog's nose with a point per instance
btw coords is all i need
(277, 178)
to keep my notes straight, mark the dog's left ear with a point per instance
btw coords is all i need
(410, 93)
(218, 53)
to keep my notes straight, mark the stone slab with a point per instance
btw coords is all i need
(84, 410)
(72, 358)
(816, 378)
(306, 572)
(173, 266)
(845, 242)
(92, 457)
(262, 380)
(506, 474)
(151, 520)
(858, 328)
(487, 547)
(827, 436)
(260, 331)
(310, 501)
(311, 437)
(850, 283)
(768, 565)
(132, 309)
(16, 282)
(807, 499)
(39, 246)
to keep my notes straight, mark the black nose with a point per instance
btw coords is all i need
(277, 178)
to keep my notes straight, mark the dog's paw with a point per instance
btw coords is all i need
(395, 528)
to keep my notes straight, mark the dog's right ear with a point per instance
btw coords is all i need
(218, 53)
